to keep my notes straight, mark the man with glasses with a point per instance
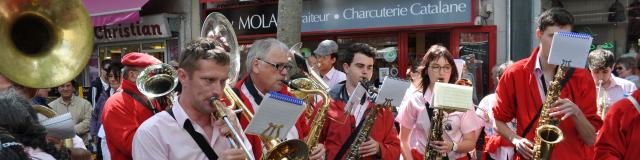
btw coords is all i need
(125, 110)
(267, 65)
(626, 68)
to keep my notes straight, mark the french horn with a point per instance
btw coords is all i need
(44, 43)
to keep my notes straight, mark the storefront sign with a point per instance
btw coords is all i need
(148, 27)
(332, 15)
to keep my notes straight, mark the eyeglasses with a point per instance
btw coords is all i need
(440, 68)
(279, 66)
(619, 68)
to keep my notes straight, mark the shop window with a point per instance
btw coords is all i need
(477, 44)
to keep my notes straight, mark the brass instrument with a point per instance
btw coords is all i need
(235, 139)
(44, 43)
(436, 125)
(157, 80)
(217, 26)
(365, 130)
(601, 100)
(49, 113)
(548, 133)
(313, 85)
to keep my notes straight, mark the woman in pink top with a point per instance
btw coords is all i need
(414, 117)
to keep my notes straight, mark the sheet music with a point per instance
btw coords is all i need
(570, 46)
(453, 96)
(392, 88)
(276, 115)
(61, 126)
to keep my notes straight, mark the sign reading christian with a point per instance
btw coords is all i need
(148, 27)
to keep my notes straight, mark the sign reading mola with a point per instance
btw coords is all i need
(328, 15)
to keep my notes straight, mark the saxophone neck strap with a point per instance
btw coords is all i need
(352, 137)
(635, 103)
(535, 118)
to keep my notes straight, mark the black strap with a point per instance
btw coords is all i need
(352, 137)
(141, 101)
(200, 140)
(429, 111)
(535, 118)
(252, 90)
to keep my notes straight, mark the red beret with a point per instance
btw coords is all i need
(142, 60)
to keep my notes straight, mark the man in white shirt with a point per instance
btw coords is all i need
(601, 64)
(327, 52)
(188, 130)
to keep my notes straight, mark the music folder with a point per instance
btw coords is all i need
(276, 115)
(392, 88)
(61, 126)
(570, 46)
(452, 96)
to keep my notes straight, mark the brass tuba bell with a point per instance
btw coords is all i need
(44, 43)
(157, 80)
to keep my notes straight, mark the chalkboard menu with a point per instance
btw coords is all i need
(477, 43)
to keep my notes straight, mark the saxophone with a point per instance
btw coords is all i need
(302, 88)
(548, 133)
(365, 131)
(436, 126)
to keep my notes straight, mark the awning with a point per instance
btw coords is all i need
(110, 12)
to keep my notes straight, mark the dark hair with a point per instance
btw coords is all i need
(555, 17)
(104, 63)
(74, 84)
(437, 51)
(116, 69)
(361, 48)
(600, 59)
(10, 148)
(19, 119)
(208, 49)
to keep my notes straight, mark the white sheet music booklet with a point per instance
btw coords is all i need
(452, 96)
(276, 115)
(570, 46)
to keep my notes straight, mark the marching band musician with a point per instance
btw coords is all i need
(383, 142)
(415, 113)
(522, 91)
(618, 138)
(267, 65)
(204, 68)
(122, 113)
(601, 63)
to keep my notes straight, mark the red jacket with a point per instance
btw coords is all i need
(335, 132)
(518, 97)
(121, 117)
(256, 143)
(619, 137)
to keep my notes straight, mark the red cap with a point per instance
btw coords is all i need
(142, 60)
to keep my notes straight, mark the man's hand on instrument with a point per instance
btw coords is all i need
(523, 146)
(369, 148)
(565, 108)
(318, 153)
(233, 154)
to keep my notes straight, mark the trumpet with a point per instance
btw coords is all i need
(235, 140)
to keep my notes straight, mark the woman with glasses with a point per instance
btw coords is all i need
(415, 115)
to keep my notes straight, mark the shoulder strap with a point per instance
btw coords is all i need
(352, 137)
(200, 140)
(635, 103)
(141, 101)
(535, 118)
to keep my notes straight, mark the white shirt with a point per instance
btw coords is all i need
(618, 89)
(163, 137)
(334, 77)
